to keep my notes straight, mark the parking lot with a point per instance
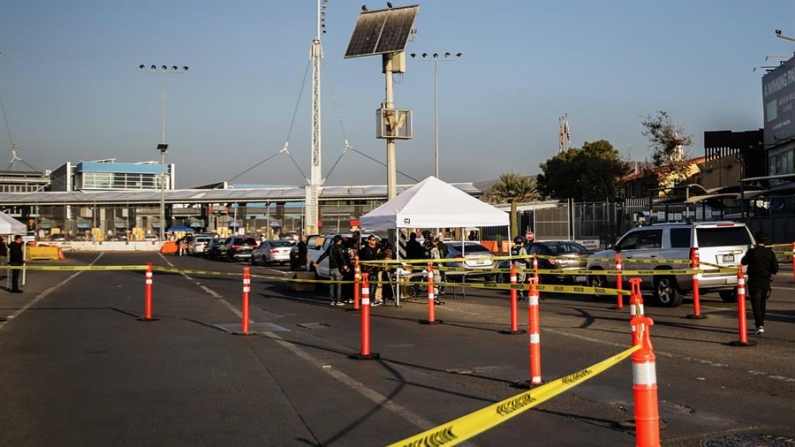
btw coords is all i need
(81, 369)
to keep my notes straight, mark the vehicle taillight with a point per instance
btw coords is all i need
(273, 250)
(235, 246)
(458, 257)
(553, 262)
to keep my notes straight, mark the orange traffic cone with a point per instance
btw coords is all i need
(61, 257)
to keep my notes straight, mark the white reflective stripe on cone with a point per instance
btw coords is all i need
(532, 300)
(365, 301)
(149, 281)
(535, 339)
(644, 374)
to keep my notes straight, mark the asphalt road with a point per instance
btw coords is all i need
(78, 368)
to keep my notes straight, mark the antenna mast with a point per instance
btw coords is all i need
(14, 146)
(315, 181)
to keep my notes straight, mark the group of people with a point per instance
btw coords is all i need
(342, 255)
(15, 254)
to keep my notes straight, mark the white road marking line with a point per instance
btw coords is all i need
(663, 353)
(44, 294)
(211, 292)
(355, 385)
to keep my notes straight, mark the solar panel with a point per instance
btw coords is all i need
(382, 31)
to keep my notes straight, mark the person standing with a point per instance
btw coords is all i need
(337, 267)
(371, 252)
(414, 249)
(387, 277)
(299, 263)
(16, 258)
(762, 265)
(3, 254)
(436, 256)
(519, 253)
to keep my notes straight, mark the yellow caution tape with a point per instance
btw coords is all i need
(167, 269)
(451, 272)
(71, 268)
(641, 261)
(542, 288)
(475, 423)
(592, 272)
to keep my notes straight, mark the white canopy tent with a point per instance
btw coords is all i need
(9, 225)
(433, 203)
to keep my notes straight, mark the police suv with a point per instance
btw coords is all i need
(667, 246)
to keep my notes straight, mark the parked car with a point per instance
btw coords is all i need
(58, 237)
(568, 255)
(199, 244)
(475, 258)
(151, 237)
(718, 243)
(238, 248)
(213, 248)
(272, 251)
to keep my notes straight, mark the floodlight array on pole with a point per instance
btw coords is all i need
(426, 57)
(163, 70)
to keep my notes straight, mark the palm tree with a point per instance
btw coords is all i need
(513, 188)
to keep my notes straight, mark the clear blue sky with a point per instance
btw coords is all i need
(72, 90)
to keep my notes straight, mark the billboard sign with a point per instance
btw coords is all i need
(778, 98)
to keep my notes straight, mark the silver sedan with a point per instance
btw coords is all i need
(270, 252)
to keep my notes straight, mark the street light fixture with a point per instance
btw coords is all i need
(782, 36)
(162, 146)
(448, 57)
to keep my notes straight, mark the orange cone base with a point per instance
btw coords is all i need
(430, 322)
(516, 332)
(148, 319)
(697, 317)
(371, 356)
(526, 384)
(630, 424)
(243, 333)
(742, 344)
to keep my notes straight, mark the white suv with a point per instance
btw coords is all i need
(655, 247)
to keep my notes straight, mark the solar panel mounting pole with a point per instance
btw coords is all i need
(386, 32)
(391, 159)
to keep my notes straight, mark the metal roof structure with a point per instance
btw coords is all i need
(246, 195)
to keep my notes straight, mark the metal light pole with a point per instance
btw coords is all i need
(448, 57)
(162, 146)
